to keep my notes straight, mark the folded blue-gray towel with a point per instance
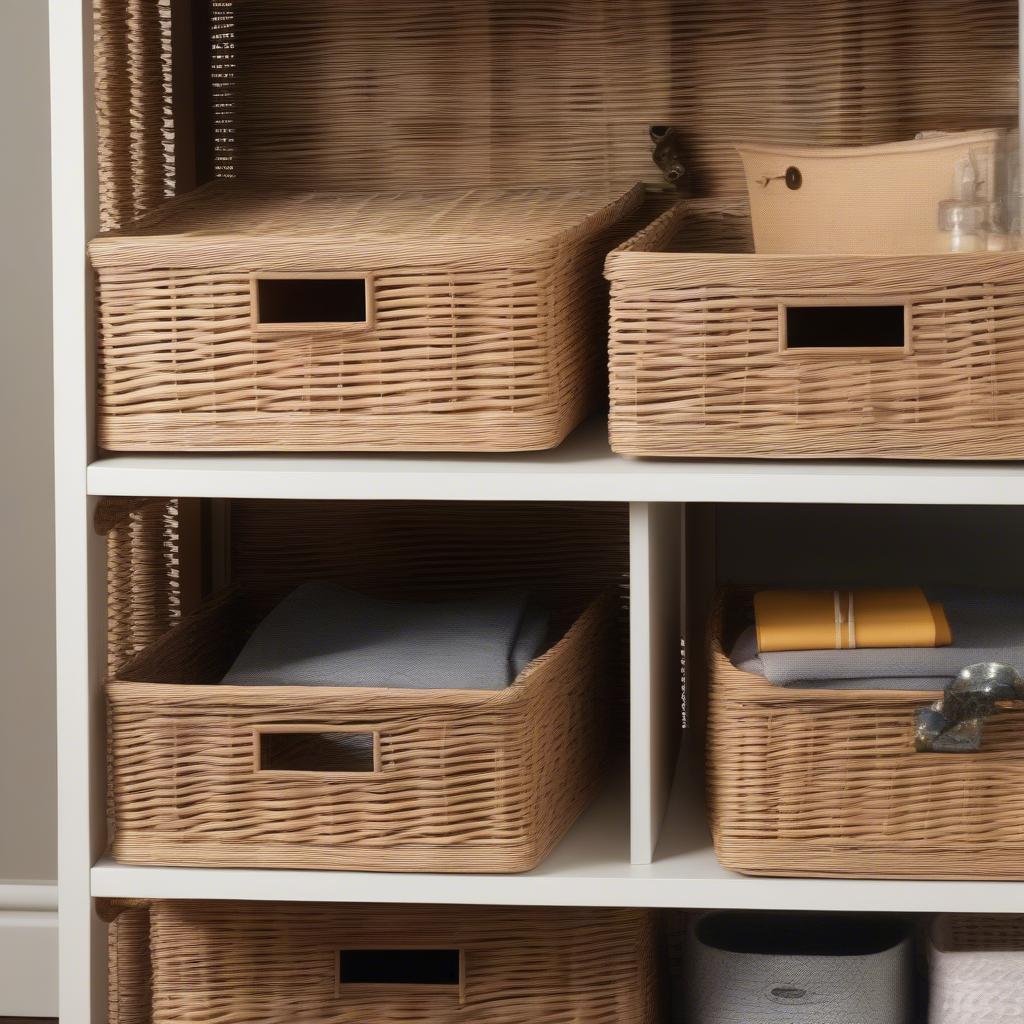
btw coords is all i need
(986, 626)
(324, 635)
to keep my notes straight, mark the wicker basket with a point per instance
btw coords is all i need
(129, 962)
(715, 352)
(977, 969)
(328, 964)
(459, 781)
(240, 318)
(827, 783)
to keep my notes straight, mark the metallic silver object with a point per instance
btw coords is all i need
(953, 725)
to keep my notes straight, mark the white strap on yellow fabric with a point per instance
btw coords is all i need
(848, 619)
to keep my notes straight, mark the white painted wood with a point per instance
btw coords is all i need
(79, 552)
(28, 896)
(582, 469)
(590, 868)
(28, 963)
(28, 949)
(655, 584)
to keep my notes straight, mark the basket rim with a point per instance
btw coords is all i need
(522, 688)
(646, 250)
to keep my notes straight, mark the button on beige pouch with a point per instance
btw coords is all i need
(858, 200)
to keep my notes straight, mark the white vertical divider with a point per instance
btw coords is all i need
(655, 587)
(80, 551)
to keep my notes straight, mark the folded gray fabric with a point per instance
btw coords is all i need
(985, 626)
(324, 635)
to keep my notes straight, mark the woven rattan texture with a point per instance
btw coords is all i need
(143, 578)
(696, 367)
(134, 116)
(129, 968)
(827, 783)
(486, 329)
(564, 91)
(978, 933)
(513, 92)
(468, 781)
(237, 963)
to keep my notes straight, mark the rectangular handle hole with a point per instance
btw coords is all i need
(436, 969)
(844, 327)
(291, 751)
(318, 300)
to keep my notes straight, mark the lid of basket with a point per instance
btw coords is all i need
(233, 220)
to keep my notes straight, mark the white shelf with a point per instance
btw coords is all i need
(590, 868)
(582, 469)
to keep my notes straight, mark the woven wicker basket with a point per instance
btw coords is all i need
(129, 963)
(827, 783)
(460, 780)
(512, 94)
(703, 364)
(240, 319)
(244, 962)
(976, 967)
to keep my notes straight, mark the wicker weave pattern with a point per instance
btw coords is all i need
(560, 93)
(488, 319)
(563, 92)
(979, 933)
(696, 367)
(826, 783)
(468, 781)
(129, 968)
(143, 585)
(134, 125)
(237, 963)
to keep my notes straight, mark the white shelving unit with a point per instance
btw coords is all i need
(582, 469)
(644, 842)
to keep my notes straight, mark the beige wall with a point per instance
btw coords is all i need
(28, 828)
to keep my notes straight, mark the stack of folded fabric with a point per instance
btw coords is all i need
(324, 635)
(895, 639)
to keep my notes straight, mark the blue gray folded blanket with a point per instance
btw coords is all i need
(324, 635)
(985, 627)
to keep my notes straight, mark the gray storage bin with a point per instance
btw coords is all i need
(767, 968)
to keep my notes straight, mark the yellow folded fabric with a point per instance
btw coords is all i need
(816, 620)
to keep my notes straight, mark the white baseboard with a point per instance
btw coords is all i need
(28, 950)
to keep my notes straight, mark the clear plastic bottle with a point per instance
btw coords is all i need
(966, 216)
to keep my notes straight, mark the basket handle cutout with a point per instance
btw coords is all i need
(954, 724)
(311, 302)
(845, 327)
(316, 750)
(410, 969)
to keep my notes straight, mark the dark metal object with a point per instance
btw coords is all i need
(668, 155)
(953, 725)
(792, 177)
